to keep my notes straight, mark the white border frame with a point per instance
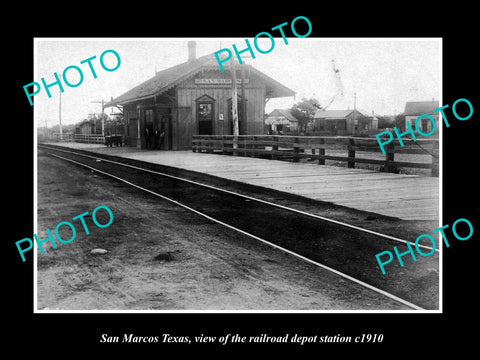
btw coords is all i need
(35, 208)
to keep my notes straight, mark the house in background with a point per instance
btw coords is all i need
(344, 122)
(281, 121)
(413, 109)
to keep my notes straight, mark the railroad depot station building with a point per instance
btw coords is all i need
(195, 98)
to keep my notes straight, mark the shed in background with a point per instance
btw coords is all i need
(344, 122)
(281, 121)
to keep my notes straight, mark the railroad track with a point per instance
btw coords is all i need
(344, 249)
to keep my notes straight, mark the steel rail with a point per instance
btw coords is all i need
(357, 281)
(354, 227)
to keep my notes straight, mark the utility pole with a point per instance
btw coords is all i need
(235, 102)
(244, 112)
(103, 112)
(355, 124)
(234, 105)
(60, 115)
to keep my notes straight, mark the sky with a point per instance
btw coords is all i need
(381, 73)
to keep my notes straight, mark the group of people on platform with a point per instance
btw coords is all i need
(153, 138)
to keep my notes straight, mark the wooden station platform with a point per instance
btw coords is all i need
(408, 197)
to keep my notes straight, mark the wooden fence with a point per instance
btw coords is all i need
(321, 148)
(65, 137)
(48, 137)
(89, 138)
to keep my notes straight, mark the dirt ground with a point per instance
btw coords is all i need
(162, 257)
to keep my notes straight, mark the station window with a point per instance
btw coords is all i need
(205, 118)
(205, 114)
(205, 111)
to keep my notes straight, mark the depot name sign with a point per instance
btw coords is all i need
(218, 81)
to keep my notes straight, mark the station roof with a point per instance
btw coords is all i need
(168, 78)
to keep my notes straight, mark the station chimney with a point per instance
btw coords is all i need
(192, 50)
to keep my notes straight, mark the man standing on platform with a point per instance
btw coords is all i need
(161, 137)
(156, 136)
(148, 140)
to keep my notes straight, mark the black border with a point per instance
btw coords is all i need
(409, 333)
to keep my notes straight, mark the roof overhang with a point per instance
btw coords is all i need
(148, 88)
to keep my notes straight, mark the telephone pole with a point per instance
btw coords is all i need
(60, 115)
(355, 121)
(244, 110)
(235, 102)
(234, 105)
(103, 113)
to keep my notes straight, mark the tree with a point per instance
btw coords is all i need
(399, 122)
(385, 122)
(115, 125)
(96, 119)
(304, 112)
